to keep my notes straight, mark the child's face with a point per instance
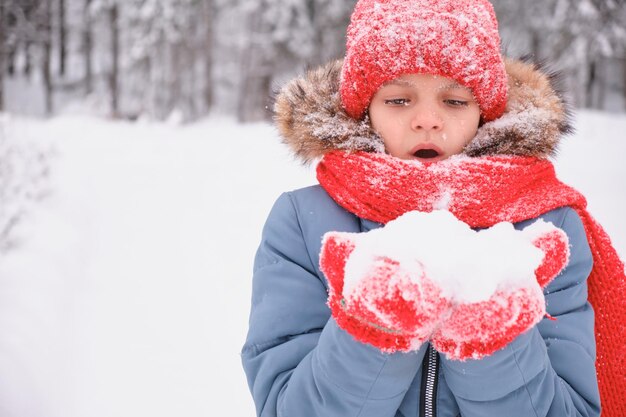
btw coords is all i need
(424, 117)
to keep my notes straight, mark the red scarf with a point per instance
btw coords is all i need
(482, 192)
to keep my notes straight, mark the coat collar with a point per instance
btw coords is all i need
(312, 121)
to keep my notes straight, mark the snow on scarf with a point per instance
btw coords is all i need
(482, 192)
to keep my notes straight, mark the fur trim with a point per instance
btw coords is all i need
(311, 119)
(535, 119)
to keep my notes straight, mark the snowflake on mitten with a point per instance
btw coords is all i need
(429, 276)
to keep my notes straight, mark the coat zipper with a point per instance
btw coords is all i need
(430, 377)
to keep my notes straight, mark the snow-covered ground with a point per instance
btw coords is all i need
(130, 291)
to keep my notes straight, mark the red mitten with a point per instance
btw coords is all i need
(555, 246)
(388, 306)
(478, 329)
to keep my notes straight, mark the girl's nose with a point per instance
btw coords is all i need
(426, 118)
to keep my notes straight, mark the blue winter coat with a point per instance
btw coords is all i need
(300, 363)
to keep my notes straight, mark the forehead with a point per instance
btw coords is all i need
(425, 80)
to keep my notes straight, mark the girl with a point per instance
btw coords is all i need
(424, 114)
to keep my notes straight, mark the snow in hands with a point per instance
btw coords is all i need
(469, 266)
(430, 276)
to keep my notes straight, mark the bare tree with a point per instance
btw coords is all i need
(590, 84)
(622, 17)
(62, 38)
(330, 19)
(47, 56)
(256, 74)
(209, 12)
(87, 47)
(26, 21)
(2, 53)
(280, 37)
(30, 26)
(115, 58)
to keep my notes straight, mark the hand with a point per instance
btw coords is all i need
(475, 330)
(389, 307)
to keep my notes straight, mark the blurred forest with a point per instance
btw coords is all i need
(183, 59)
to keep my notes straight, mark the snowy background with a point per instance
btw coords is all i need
(126, 292)
(126, 248)
(185, 59)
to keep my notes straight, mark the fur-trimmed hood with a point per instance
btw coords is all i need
(311, 120)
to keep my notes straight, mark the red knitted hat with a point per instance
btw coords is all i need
(454, 38)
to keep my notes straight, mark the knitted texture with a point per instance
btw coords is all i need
(390, 317)
(454, 38)
(482, 192)
(398, 309)
(478, 329)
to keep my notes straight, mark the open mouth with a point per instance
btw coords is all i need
(427, 153)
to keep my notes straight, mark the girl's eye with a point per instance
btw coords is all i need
(398, 101)
(456, 103)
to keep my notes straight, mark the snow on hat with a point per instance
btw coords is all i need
(454, 38)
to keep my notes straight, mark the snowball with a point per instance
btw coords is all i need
(468, 265)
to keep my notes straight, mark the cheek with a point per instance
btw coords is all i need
(374, 117)
(468, 125)
(462, 131)
(385, 123)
